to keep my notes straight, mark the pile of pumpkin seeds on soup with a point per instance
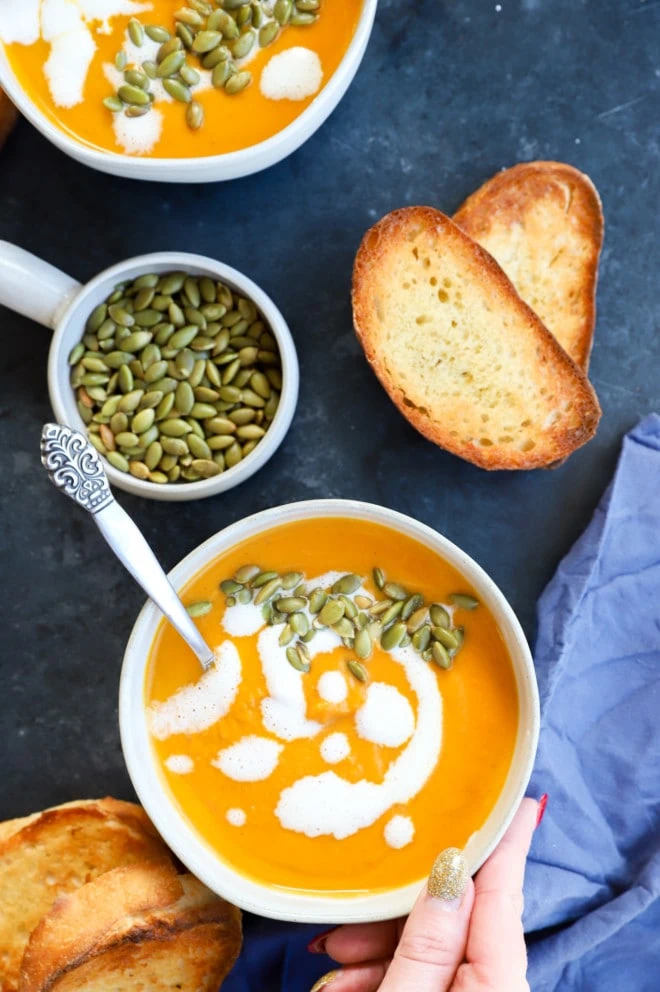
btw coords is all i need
(206, 36)
(177, 377)
(393, 617)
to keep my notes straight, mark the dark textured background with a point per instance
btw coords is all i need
(449, 92)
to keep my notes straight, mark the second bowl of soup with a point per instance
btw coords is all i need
(373, 701)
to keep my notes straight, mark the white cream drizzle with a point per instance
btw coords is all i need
(252, 759)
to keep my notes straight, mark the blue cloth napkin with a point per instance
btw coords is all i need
(593, 881)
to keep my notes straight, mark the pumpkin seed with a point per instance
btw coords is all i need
(440, 656)
(296, 660)
(243, 45)
(195, 115)
(286, 636)
(379, 578)
(410, 605)
(317, 600)
(439, 616)
(121, 61)
(392, 638)
(290, 604)
(380, 607)
(421, 639)
(137, 78)
(445, 637)
(135, 32)
(344, 627)
(395, 591)
(206, 467)
(391, 613)
(268, 590)
(117, 460)
(332, 612)
(113, 103)
(135, 341)
(268, 33)
(282, 11)
(264, 577)
(175, 427)
(459, 634)
(239, 82)
(363, 602)
(189, 16)
(171, 64)
(363, 646)
(299, 624)
(133, 95)
(301, 19)
(357, 670)
(177, 90)
(156, 32)
(464, 601)
(189, 75)
(347, 583)
(199, 609)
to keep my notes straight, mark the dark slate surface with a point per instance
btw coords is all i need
(449, 93)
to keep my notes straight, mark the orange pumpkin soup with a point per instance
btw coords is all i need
(71, 57)
(348, 732)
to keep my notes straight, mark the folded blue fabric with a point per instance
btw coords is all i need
(593, 881)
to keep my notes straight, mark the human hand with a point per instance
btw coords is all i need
(462, 936)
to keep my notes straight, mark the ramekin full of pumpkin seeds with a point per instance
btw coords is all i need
(181, 371)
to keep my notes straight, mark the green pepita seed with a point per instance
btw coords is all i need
(445, 637)
(171, 64)
(363, 602)
(291, 580)
(379, 578)
(113, 103)
(137, 78)
(296, 660)
(206, 467)
(332, 612)
(239, 82)
(391, 613)
(410, 605)
(299, 624)
(175, 427)
(156, 32)
(421, 639)
(290, 604)
(301, 19)
(263, 577)
(347, 584)
(439, 655)
(282, 11)
(439, 616)
(230, 587)
(121, 61)
(268, 590)
(133, 95)
(392, 638)
(363, 645)
(464, 601)
(286, 636)
(135, 32)
(199, 609)
(357, 670)
(243, 45)
(350, 609)
(317, 600)
(395, 591)
(117, 460)
(195, 115)
(177, 90)
(268, 33)
(205, 41)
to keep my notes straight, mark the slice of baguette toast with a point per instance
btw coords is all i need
(543, 223)
(462, 356)
(47, 854)
(131, 929)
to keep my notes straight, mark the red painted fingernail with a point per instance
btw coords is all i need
(317, 945)
(543, 802)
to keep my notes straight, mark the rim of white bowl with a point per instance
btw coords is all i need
(68, 332)
(229, 165)
(181, 835)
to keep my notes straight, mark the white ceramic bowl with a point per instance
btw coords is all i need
(210, 168)
(40, 291)
(182, 837)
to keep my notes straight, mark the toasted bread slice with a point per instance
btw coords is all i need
(8, 117)
(47, 854)
(543, 223)
(462, 356)
(131, 929)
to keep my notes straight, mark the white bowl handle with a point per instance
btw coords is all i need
(33, 287)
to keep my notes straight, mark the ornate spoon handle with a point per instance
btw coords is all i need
(76, 468)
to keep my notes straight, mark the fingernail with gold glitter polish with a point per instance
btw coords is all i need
(325, 981)
(448, 878)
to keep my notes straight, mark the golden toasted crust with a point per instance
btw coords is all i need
(133, 928)
(8, 117)
(47, 854)
(462, 356)
(543, 223)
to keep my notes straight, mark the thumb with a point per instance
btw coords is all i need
(433, 942)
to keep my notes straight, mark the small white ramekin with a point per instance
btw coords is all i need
(209, 168)
(40, 291)
(181, 835)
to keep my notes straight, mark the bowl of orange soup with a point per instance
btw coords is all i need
(176, 91)
(373, 701)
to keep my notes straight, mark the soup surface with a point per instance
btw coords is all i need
(64, 53)
(317, 779)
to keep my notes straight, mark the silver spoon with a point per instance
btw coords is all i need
(75, 467)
